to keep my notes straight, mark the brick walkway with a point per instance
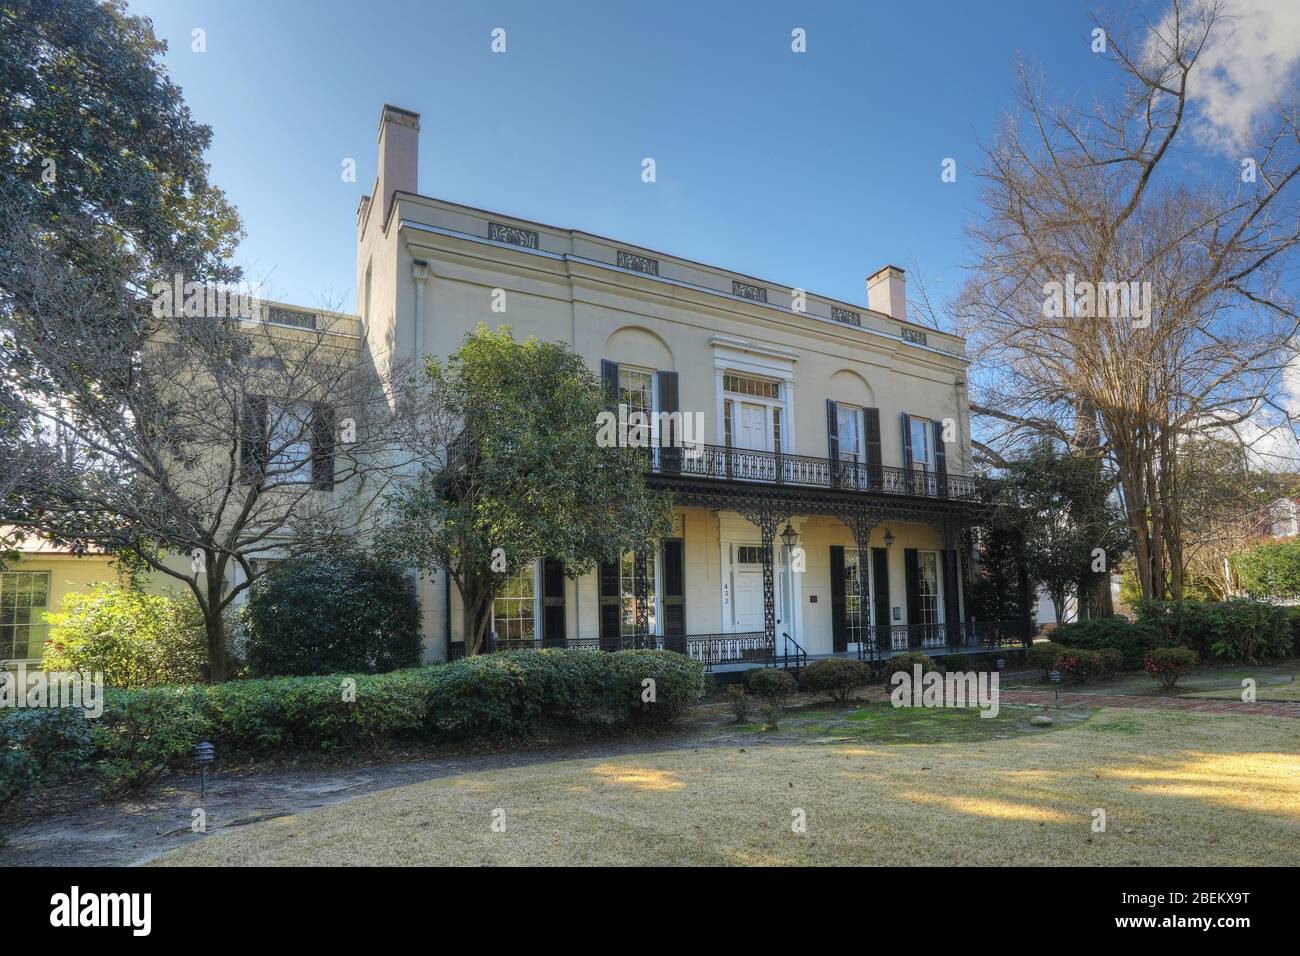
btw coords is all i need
(1263, 708)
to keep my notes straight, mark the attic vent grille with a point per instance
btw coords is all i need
(847, 316)
(498, 232)
(638, 263)
(747, 291)
(913, 335)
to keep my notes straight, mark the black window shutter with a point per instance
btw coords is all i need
(322, 446)
(839, 610)
(871, 439)
(609, 379)
(940, 453)
(951, 602)
(670, 454)
(253, 439)
(611, 606)
(880, 573)
(912, 578)
(674, 590)
(553, 603)
(907, 442)
(833, 439)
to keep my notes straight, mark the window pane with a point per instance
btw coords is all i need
(512, 609)
(920, 441)
(847, 425)
(23, 602)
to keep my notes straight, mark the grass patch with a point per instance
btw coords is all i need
(1178, 789)
(886, 724)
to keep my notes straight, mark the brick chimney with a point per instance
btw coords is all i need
(399, 153)
(887, 292)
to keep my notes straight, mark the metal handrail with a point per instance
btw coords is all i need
(744, 464)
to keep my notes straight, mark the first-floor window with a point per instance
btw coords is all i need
(289, 441)
(24, 598)
(514, 607)
(627, 576)
(928, 586)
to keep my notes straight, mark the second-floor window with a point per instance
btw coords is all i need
(290, 441)
(921, 457)
(846, 420)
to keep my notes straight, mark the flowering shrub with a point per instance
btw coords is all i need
(1078, 665)
(1167, 664)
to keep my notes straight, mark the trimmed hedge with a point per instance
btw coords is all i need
(952, 663)
(485, 698)
(1239, 631)
(835, 676)
(39, 748)
(1133, 641)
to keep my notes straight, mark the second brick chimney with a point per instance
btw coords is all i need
(399, 153)
(887, 292)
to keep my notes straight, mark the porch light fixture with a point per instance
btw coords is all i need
(889, 538)
(790, 536)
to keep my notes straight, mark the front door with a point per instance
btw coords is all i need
(753, 427)
(749, 589)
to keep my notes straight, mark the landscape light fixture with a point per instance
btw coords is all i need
(1002, 665)
(1055, 677)
(204, 754)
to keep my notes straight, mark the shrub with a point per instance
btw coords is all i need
(133, 639)
(775, 687)
(1293, 614)
(1248, 632)
(1133, 641)
(835, 676)
(958, 662)
(39, 748)
(905, 663)
(678, 684)
(1180, 623)
(143, 732)
(1167, 664)
(739, 702)
(1079, 664)
(1043, 656)
(340, 613)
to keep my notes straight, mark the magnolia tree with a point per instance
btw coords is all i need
(1124, 298)
(525, 477)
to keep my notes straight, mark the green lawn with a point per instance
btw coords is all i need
(1177, 788)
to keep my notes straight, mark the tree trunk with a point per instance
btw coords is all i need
(216, 670)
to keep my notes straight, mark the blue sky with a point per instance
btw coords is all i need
(808, 169)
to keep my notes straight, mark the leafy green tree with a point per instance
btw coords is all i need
(1059, 506)
(103, 191)
(524, 479)
(1270, 568)
(133, 639)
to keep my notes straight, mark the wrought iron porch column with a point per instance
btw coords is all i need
(862, 522)
(767, 516)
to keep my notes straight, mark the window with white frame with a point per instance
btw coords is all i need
(921, 444)
(928, 587)
(514, 609)
(847, 419)
(636, 389)
(24, 599)
(627, 582)
(289, 441)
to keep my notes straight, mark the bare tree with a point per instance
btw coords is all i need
(204, 443)
(1119, 307)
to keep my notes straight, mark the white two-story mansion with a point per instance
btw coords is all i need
(824, 512)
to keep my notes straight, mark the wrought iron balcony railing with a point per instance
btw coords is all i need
(743, 464)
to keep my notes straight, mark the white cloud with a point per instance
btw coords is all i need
(1252, 55)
